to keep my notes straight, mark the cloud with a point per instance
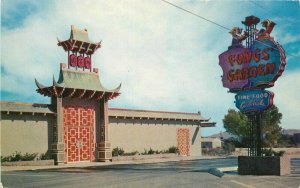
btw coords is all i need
(286, 98)
(289, 38)
(165, 58)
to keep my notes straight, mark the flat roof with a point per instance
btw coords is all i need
(160, 115)
(25, 107)
(121, 113)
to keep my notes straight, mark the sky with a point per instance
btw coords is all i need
(165, 58)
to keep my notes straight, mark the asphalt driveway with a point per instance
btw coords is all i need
(192, 173)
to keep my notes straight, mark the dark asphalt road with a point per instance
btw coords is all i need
(167, 174)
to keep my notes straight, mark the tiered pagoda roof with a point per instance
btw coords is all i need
(73, 83)
(77, 84)
(79, 42)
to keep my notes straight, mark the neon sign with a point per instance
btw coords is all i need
(233, 62)
(248, 71)
(254, 100)
(271, 64)
(257, 67)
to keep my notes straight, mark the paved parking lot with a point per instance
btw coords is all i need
(191, 173)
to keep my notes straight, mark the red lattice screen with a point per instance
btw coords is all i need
(79, 133)
(183, 141)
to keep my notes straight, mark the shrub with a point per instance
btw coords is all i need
(28, 156)
(270, 152)
(151, 151)
(173, 149)
(17, 156)
(145, 152)
(229, 147)
(5, 159)
(45, 156)
(280, 153)
(267, 152)
(131, 153)
(117, 151)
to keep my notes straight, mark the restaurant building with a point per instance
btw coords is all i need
(79, 126)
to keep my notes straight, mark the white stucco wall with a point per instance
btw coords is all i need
(25, 133)
(137, 135)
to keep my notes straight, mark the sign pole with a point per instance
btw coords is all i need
(258, 133)
(247, 72)
(252, 150)
(253, 118)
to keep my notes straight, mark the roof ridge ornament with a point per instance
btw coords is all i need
(79, 34)
(54, 82)
(39, 85)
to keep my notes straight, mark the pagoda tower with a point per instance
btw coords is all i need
(80, 131)
(250, 24)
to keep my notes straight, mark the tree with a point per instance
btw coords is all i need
(271, 128)
(237, 124)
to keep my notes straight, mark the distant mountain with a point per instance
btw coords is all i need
(290, 131)
(222, 135)
(226, 135)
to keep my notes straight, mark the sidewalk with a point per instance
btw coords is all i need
(88, 164)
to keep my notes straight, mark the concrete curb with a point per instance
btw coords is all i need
(228, 169)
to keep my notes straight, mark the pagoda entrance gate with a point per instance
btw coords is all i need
(79, 137)
(80, 103)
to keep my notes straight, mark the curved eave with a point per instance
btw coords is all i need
(43, 91)
(79, 46)
(114, 93)
(55, 83)
(116, 90)
(55, 91)
(40, 86)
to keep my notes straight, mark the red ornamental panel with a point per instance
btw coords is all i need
(79, 133)
(73, 60)
(88, 63)
(183, 141)
(87, 120)
(71, 116)
(72, 147)
(80, 61)
(84, 144)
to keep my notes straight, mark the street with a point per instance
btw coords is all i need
(191, 173)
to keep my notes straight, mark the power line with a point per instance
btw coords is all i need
(196, 15)
(215, 23)
(258, 5)
(270, 13)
